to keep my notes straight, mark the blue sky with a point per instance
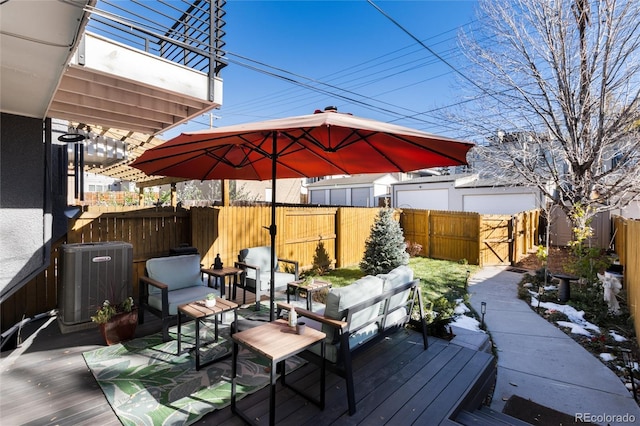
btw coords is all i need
(342, 53)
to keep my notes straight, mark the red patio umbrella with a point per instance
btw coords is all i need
(320, 144)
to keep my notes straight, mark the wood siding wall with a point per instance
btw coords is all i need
(627, 246)
(300, 231)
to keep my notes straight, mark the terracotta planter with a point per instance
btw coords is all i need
(121, 327)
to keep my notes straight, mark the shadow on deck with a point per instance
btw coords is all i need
(46, 381)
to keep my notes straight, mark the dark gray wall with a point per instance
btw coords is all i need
(25, 211)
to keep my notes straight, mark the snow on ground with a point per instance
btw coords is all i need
(466, 322)
(607, 357)
(575, 328)
(461, 308)
(576, 317)
(617, 337)
(463, 321)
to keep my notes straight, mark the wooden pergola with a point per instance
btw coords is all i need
(136, 143)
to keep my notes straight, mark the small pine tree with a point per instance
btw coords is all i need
(385, 247)
(321, 260)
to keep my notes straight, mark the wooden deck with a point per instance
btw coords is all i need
(46, 382)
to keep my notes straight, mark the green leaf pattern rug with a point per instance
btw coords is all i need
(147, 383)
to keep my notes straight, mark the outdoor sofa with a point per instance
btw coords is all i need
(361, 314)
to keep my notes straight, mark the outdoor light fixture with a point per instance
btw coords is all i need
(71, 138)
(540, 294)
(627, 358)
(483, 310)
(77, 140)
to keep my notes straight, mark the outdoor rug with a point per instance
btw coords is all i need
(146, 383)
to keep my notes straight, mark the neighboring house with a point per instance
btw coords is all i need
(288, 191)
(632, 211)
(469, 193)
(561, 229)
(367, 190)
(118, 73)
(466, 193)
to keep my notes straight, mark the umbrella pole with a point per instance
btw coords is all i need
(273, 228)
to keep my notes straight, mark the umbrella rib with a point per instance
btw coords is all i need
(307, 136)
(159, 171)
(245, 162)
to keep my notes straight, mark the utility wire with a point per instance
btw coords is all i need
(369, 64)
(396, 23)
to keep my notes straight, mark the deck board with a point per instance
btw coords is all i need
(397, 382)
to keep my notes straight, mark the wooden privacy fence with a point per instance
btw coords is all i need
(627, 245)
(479, 239)
(227, 230)
(301, 231)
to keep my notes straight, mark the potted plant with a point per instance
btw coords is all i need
(307, 281)
(117, 321)
(210, 301)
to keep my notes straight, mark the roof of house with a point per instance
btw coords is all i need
(350, 180)
(463, 181)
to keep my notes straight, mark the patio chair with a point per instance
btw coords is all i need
(169, 282)
(256, 276)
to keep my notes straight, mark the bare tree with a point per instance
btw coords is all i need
(556, 85)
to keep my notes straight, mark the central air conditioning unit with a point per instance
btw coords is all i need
(91, 273)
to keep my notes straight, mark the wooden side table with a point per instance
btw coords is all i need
(221, 276)
(276, 341)
(199, 312)
(310, 289)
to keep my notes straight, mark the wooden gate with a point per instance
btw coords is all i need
(307, 230)
(496, 240)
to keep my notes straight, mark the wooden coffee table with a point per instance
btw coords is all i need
(221, 275)
(199, 312)
(297, 286)
(276, 341)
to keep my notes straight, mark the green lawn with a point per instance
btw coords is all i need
(439, 278)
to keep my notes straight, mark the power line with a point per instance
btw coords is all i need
(349, 95)
(429, 49)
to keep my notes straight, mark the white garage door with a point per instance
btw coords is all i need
(338, 197)
(360, 197)
(428, 199)
(499, 204)
(318, 197)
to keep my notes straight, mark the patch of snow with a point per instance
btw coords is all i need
(575, 328)
(617, 337)
(575, 316)
(466, 322)
(461, 308)
(607, 357)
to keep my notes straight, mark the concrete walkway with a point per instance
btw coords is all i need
(537, 361)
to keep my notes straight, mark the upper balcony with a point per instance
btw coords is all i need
(141, 66)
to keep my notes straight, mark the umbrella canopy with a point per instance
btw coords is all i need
(321, 144)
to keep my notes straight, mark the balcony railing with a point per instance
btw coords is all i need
(188, 32)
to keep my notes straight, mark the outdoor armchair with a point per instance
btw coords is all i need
(256, 276)
(169, 282)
